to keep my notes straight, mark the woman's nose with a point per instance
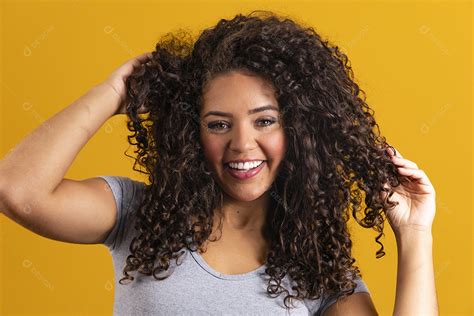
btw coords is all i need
(242, 139)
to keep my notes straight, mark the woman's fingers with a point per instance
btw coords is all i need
(398, 159)
(393, 152)
(420, 176)
(404, 162)
(127, 67)
(137, 61)
(414, 173)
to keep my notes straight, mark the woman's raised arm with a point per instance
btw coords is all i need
(33, 191)
(411, 221)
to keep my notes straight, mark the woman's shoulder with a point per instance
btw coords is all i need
(128, 194)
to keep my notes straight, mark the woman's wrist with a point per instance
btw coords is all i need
(413, 238)
(415, 293)
(114, 100)
(412, 232)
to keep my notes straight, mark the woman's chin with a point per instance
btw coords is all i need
(244, 195)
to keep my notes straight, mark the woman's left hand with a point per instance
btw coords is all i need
(416, 199)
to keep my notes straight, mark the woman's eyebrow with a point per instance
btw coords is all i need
(252, 111)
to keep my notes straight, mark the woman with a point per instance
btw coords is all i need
(257, 145)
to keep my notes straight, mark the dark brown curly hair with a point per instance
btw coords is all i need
(335, 157)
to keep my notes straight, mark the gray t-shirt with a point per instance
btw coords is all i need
(194, 288)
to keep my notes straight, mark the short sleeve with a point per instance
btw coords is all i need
(328, 301)
(127, 194)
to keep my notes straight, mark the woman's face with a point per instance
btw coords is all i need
(240, 121)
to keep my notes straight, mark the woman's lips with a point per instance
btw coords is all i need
(244, 175)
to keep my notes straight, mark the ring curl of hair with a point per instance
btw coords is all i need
(336, 162)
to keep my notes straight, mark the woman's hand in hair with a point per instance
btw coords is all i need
(416, 199)
(117, 80)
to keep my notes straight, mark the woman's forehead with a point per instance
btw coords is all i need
(238, 87)
(230, 78)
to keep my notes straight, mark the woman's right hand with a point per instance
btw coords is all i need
(117, 80)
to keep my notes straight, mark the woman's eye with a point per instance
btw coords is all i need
(270, 122)
(219, 125)
(213, 125)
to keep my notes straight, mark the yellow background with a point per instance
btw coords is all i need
(413, 59)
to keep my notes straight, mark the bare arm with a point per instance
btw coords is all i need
(416, 293)
(39, 162)
(411, 222)
(33, 190)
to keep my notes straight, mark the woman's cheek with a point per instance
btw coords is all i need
(212, 150)
(276, 144)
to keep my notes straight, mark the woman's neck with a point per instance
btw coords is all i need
(245, 216)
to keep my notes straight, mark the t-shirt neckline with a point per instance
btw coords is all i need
(251, 274)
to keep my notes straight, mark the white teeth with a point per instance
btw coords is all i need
(245, 166)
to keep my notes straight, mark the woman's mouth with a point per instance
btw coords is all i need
(243, 174)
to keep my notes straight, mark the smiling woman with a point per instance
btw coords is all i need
(238, 132)
(257, 144)
(259, 134)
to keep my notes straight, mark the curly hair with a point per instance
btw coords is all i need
(335, 159)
